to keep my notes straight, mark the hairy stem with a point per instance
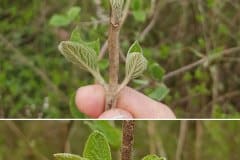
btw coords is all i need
(113, 49)
(127, 139)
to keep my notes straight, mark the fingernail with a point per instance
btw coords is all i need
(116, 114)
(119, 117)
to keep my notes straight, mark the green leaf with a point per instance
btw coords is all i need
(97, 147)
(62, 20)
(67, 156)
(76, 37)
(156, 71)
(164, 51)
(113, 134)
(73, 108)
(200, 18)
(153, 157)
(135, 47)
(159, 93)
(73, 12)
(103, 64)
(136, 63)
(201, 42)
(59, 20)
(140, 81)
(139, 15)
(136, 5)
(94, 45)
(201, 88)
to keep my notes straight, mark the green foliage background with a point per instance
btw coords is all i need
(36, 81)
(39, 140)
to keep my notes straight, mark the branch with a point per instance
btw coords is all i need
(199, 139)
(113, 49)
(224, 97)
(152, 22)
(184, 68)
(124, 17)
(152, 139)
(181, 138)
(199, 62)
(127, 140)
(15, 129)
(67, 147)
(103, 50)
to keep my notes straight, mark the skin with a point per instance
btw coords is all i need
(130, 104)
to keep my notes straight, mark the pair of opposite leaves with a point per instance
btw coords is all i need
(85, 57)
(96, 148)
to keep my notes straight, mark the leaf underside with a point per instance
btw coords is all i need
(81, 55)
(136, 63)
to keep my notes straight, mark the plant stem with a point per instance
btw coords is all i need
(181, 138)
(113, 49)
(199, 139)
(127, 139)
(124, 17)
(201, 61)
(32, 148)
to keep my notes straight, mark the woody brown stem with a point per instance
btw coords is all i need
(113, 49)
(127, 139)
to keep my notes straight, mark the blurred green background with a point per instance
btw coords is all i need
(197, 39)
(186, 140)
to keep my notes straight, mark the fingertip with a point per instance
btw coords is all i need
(90, 100)
(167, 112)
(141, 106)
(116, 114)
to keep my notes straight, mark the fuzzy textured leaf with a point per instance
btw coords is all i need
(80, 54)
(117, 3)
(136, 63)
(67, 156)
(117, 7)
(153, 157)
(97, 147)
